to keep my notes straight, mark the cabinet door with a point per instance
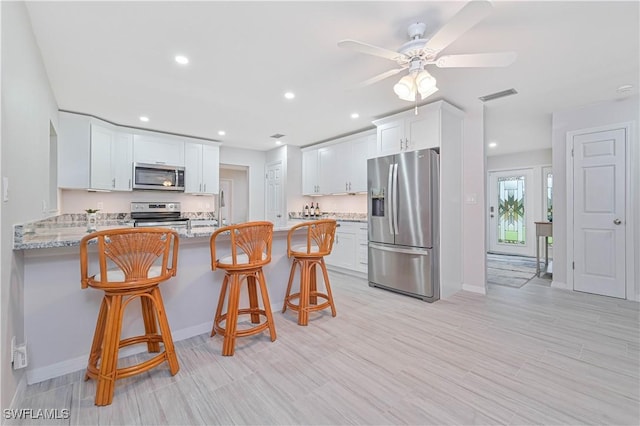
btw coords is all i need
(390, 137)
(158, 150)
(332, 173)
(101, 158)
(344, 250)
(210, 169)
(310, 172)
(122, 161)
(193, 168)
(361, 150)
(74, 151)
(423, 130)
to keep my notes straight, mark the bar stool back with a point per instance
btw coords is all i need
(131, 264)
(320, 235)
(250, 245)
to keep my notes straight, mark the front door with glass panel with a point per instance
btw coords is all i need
(511, 228)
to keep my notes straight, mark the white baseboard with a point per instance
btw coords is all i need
(80, 363)
(474, 288)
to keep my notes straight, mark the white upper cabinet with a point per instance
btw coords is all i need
(311, 172)
(74, 150)
(156, 149)
(338, 167)
(202, 161)
(93, 154)
(111, 159)
(409, 132)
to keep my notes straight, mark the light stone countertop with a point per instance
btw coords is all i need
(50, 234)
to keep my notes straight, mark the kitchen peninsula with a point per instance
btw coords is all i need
(60, 317)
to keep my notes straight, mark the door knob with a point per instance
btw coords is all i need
(617, 221)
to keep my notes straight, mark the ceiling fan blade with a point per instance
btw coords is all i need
(472, 13)
(370, 49)
(380, 77)
(475, 60)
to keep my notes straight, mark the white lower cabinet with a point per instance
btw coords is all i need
(347, 248)
(201, 168)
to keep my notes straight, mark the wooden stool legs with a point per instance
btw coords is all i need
(308, 294)
(231, 284)
(106, 341)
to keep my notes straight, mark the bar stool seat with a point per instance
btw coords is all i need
(320, 235)
(250, 251)
(132, 262)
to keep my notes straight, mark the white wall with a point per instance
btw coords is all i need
(474, 275)
(255, 161)
(519, 160)
(606, 113)
(28, 108)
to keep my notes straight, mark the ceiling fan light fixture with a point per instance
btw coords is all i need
(405, 88)
(425, 82)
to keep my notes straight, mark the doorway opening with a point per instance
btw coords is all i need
(233, 200)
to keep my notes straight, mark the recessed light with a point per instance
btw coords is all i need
(144, 118)
(355, 115)
(289, 95)
(278, 142)
(221, 132)
(624, 88)
(492, 144)
(182, 60)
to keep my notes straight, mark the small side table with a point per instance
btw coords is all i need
(543, 229)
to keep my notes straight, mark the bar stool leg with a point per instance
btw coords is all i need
(267, 305)
(165, 331)
(313, 285)
(230, 326)
(253, 299)
(328, 286)
(98, 336)
(223, 294)
(108, 365)
(291, 276)
(150, 326)
(303, 301)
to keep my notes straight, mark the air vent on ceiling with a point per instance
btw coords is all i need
(277, 136)
(497, 95)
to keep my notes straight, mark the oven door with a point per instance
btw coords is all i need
(157, 176)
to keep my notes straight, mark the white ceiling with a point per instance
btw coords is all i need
(115, 60)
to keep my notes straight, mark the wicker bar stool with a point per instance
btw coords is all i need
(320, 235)
(250, 251)
(131, 264)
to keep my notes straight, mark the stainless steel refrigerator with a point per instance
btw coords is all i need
(403, 209)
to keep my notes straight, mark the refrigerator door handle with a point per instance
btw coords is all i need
(390, 191)
(396, 249)
(395, 198)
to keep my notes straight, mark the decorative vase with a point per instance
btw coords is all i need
(92, 220)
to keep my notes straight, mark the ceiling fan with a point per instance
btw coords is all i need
(415, 54)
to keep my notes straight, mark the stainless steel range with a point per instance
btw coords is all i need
(158, 214)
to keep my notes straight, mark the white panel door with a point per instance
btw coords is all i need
(599, 220)
(275, 195)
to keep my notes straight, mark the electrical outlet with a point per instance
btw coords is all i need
(100, 205)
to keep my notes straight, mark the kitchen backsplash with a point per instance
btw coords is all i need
(77, 201)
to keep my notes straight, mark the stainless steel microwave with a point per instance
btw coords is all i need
(161, 177)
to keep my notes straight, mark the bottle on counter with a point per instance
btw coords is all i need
(306, 210)
(317, 211)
